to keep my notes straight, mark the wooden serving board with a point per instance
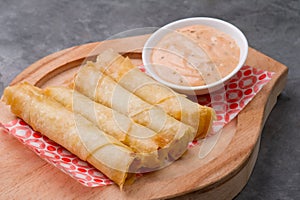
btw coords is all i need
(219, 175)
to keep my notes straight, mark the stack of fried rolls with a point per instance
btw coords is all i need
(115, 117)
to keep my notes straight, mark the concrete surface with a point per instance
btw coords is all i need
(32, 29)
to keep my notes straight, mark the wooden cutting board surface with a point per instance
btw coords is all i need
(220, 174)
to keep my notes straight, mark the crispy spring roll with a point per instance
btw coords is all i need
(139, 138)
(178, 106)
(74, 132)
(104, 90)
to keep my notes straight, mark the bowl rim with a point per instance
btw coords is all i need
(195, 20)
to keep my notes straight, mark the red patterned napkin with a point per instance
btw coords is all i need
(236, 95)
(227, 104)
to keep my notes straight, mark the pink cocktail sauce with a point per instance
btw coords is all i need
(195, 55)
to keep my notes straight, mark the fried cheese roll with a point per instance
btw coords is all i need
(122, 71)
(104, 90)
(71, 130)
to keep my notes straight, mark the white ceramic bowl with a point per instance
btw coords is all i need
(218, 24)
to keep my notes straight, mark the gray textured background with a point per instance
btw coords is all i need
(32, 29)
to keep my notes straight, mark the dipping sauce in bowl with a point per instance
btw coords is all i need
(202, 52)
(195, 55)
